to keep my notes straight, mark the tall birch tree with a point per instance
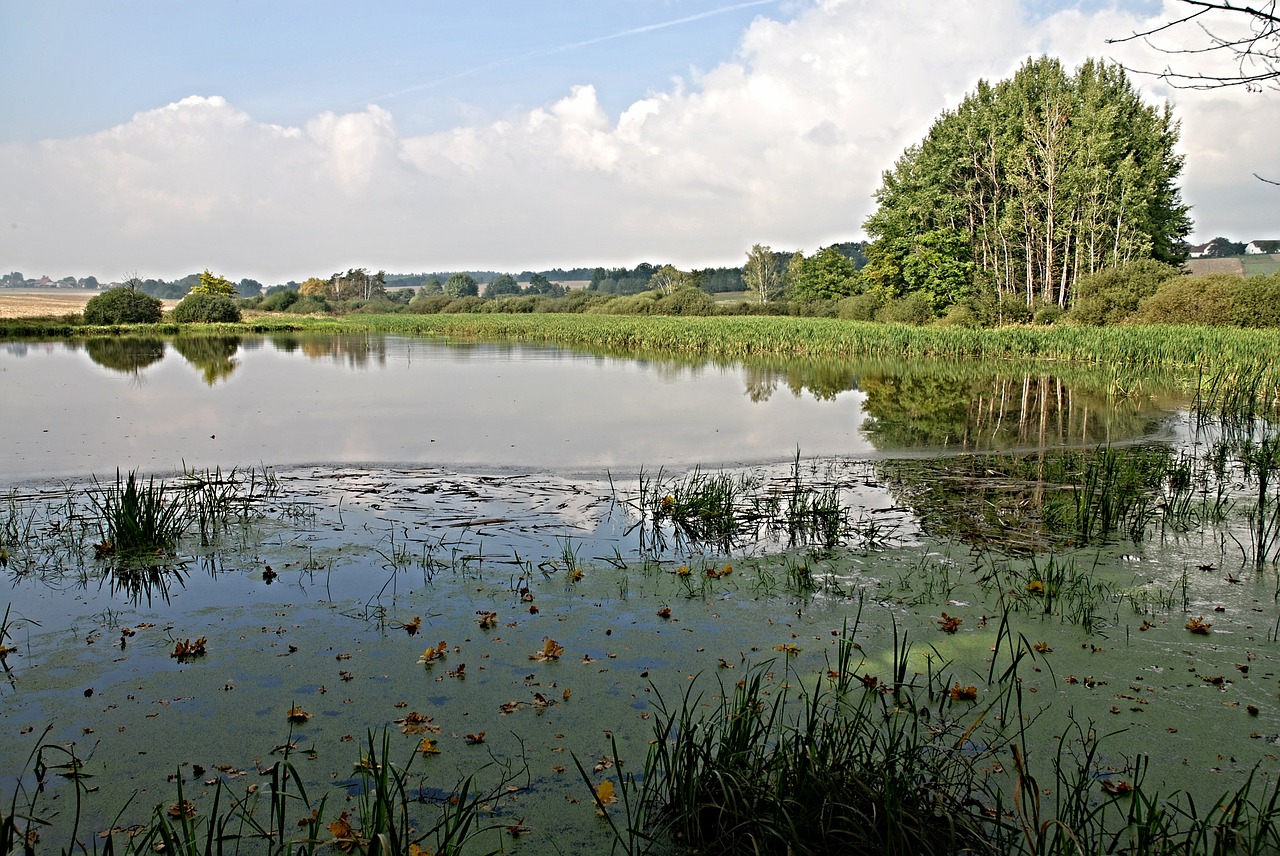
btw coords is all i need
(1048, 177)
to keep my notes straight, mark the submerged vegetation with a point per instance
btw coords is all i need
(979, 651)
(863, 724)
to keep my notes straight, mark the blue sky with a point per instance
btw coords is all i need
(284, 139)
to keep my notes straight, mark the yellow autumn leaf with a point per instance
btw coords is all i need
(605, 794)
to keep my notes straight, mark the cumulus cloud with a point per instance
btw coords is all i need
(782, 144)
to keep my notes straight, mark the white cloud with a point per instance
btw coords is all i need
(784, 144)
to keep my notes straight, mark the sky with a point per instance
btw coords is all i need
(281, 139)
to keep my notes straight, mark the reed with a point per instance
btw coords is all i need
(138, 519)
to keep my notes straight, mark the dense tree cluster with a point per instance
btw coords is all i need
(1033, 183)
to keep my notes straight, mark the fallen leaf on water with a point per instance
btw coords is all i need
(297, 714)
(474, 739)
(551, 650)
(416, 723)
(185, 650)
(1116, 788)
(186, 808)
(949, 623)
(344, 835)
(959, 693)
(430, 655)
(1199, 625)
(605, 794)
(414, 626)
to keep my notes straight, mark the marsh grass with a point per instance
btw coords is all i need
(724, 512)
(138, 519)
(386, 816)
(833, 765)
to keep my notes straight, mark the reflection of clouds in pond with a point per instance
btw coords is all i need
(369, 399)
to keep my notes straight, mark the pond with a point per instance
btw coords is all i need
(509, 560)
(91, 407)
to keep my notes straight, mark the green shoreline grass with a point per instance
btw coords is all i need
(1209, 349)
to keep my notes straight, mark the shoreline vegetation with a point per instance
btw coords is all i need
(1170, 347)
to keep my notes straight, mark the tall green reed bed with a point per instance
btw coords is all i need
(1156, 347)
(739, 336)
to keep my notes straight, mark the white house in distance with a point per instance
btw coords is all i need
(1254, 248)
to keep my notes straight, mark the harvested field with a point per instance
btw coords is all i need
(38, 303)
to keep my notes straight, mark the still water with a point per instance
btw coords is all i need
(73, 409)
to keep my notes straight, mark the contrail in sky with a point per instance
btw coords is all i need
(634, 31)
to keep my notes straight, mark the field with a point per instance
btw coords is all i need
(47, 302)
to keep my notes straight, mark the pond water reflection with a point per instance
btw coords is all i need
(161, 405)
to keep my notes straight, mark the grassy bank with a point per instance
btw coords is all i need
(1213, 349)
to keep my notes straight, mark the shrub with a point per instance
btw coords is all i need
(629, 304)
(1258, 302)
(310, 304)
(914, 308)
(122, 305)
(1208, 299)
(960, 315)
(429, 304)
(279, 301)
(206, 309)
(686, 301)
(467, 304)
(1112, 295)
(860, 307)
(1046, 313)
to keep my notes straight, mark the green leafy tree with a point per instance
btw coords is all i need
(668, 279)
(206, 309)
(461, 285)
(764, 273)
(826, 275)
(214, 285)
(539, 284)
(1048, 176)
(504, 283)
(357, 284)
(937, 264)
(123, 305)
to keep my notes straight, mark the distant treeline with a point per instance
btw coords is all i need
(621, 280)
